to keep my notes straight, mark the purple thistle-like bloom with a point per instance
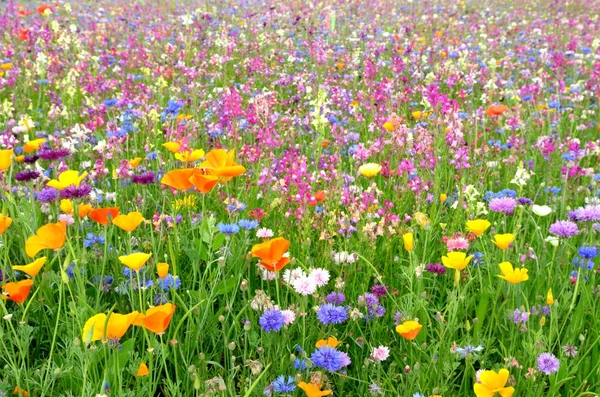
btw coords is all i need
(143, 179)
(548, 363)
(505, 205)
(332, 314)
(71, 192)
(30, 159)
(589, 213)
(380, 290)
(368, 299)
(564, 229)
(47, 195)
(436, 268)
(272, 320)
(524, 201)
(27, 175)
(53, 154)
(335, 297)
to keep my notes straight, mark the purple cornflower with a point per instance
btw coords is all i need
(332, 314)
(30, 159)
(589, 213)
(524, 201)
(27, 175)
(436, 268)
(71, 192)
(548, 363)
(520, 317)
(505, 205)
(588, 252)
(145, 178)
(380, 290)
(272, 320)
(335, 297)
(47, 195)
(564, 229)
(368, 299)
(284, 384)
(53, 154)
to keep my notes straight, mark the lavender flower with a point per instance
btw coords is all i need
(504, 205)
(564, 229)
(332, 314)
(548, 363)
(272, 320)
(27, 175)
(47, 194)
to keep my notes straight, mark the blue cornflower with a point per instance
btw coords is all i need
(91, 239)
(332, 314)
(328, 358)
(169, 282)
(588, 252)
(469, 349)
(110, 102)
(299, 364)
(335, 297)
(272, 320)
(47, 195)
(284, 384)
(248, 224)
(228, 228)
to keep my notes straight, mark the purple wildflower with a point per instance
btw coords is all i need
(71, 192)
(53, 154)
(548, 363)
(505, 205)
(47, 195)
(27, 175)
(436, 268)
(564, 229)
(589, 213)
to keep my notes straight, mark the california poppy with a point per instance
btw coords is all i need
(478, 226)
(409, 242)
(496, 110)
(156, 319)
(135, 261)
(83, 210)
(503, 241)
(456, 260)
(162, 269)
(66, 206)
(33, 268)
(128, 222)
(135, 162)
(409, 329)
(319, 196)
(313, 390)
(5, 159)
(330, 342)
(43, 9)
(17, 292)
(115, 327)
(180, 179)
(142, 370)
(23, 34)
(50, 236)
(5, 222)
(204, 183)
(173, 146)
(550, 297)
(32, 146)
(369, 170)
(511, 274)
(104, 215)
(271, 253)
(23, 392)
(221, 163)
(189, 156)
(66, 179)
(492, 382)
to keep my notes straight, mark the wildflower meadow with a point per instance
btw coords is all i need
(300, 198)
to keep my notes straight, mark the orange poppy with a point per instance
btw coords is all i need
(409, 329)
(221, 163)
(179, 179)
(312, 390)
(17, 292)
(23, 34)
(156, 319)
(5, 222)
(50, 236)
(115, 326)
(319, 196)
(23, 392)
(496, 110)
(84, 209)
(33, 268)
(271, 253)
(104, 215)
(162, 269)
(204, 183)
(43, 8)
(142, 370)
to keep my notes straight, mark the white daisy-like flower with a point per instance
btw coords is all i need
(304, 285)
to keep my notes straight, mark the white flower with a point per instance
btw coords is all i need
(521, 177)
(380, 353)
(304, 285)
(289, 276)
(288, 316)
(320, 276)
(552, 240)
(541, 210)
(186, 20)
(264, 233)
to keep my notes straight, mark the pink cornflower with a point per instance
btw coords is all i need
(380, 353)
